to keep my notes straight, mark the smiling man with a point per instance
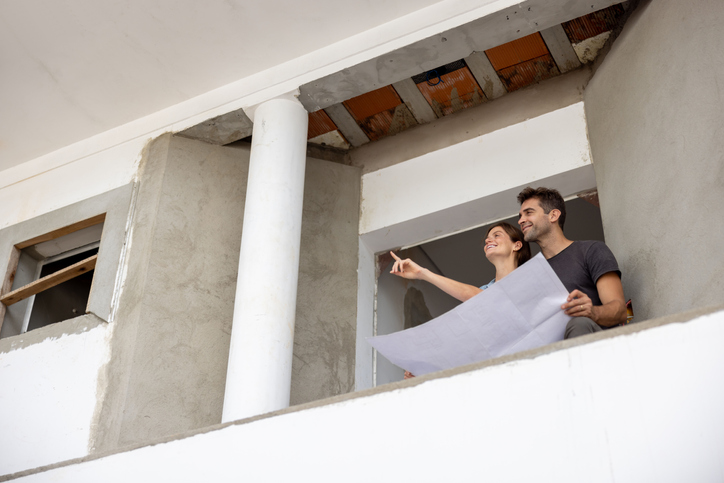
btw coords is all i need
(588, 269)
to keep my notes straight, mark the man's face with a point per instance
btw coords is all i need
(533, 221)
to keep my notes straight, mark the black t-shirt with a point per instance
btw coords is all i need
(581, 264)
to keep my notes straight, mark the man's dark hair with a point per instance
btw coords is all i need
(549, 199)
(522, 255)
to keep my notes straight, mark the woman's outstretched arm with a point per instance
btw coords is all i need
(412, 271)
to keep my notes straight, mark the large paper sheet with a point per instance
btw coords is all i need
(522, 311)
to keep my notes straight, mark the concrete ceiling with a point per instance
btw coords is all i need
(483, 60)
(75, 68)
(72, 69)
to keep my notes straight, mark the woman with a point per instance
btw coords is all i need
(504, 247)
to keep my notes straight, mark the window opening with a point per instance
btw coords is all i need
(50, 277)
(401, 304)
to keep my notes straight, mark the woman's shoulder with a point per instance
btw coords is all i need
(487, 284)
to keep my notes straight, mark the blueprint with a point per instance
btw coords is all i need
(522, 311)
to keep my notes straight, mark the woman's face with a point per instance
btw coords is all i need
(499, 244)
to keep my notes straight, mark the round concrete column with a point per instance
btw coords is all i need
(259, 374)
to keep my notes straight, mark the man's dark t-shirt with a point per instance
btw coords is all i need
(581, 264)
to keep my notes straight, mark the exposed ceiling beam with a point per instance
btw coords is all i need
(347, 125)
(481, 34)
(416, 102)
(485, 74)
(560, 48)
(223, 129)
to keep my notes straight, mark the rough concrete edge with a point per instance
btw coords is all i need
(104, 431)
(76, 325)
(679, 318)
(633, 6)
(328, 153)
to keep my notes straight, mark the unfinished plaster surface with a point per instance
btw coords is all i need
(598, 408)
(514, 108)
(660, 164)
(223, 129)
(50, 378)
(324, 336)
(171, 339)
(170, 342)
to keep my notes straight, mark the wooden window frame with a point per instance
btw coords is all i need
(9, 297)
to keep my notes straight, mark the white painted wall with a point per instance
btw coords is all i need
(48, 397)
(39, 186)
(475, 181)
(633, 408)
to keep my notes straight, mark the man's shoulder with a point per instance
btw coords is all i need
(587, 247)
(598, 258)
(587, 244)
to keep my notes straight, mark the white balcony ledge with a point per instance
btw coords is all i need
(638, 403)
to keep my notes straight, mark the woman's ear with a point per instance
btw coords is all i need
(517, 246)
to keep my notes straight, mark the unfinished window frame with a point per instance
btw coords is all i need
(39, 284)
(116, 204)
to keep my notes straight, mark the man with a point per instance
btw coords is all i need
(587, 269)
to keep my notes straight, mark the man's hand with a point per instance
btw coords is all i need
(578, 304)
(611, 312)
(406, 268)
(409, 375)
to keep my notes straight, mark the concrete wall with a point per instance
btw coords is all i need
(170, 343)
(610, 407)
(324, 338)
(656, 125)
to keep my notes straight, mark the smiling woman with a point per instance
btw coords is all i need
(505, 248)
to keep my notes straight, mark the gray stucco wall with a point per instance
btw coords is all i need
(170, 339)
(656, 127)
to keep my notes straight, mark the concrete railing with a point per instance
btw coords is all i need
(637, 403)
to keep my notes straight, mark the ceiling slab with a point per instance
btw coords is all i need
(484, 33)
(223, 129)
(73, 69)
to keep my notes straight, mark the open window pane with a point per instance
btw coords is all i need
(53, 277)
(64, 301)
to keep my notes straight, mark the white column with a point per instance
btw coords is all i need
(258, 378)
